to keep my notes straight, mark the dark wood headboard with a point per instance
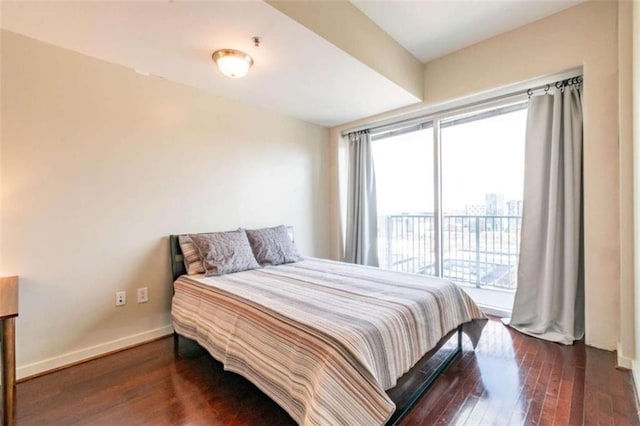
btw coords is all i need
(177, 259)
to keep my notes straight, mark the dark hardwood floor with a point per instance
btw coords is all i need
(510, 379)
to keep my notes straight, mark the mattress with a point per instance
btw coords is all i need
(323, 339)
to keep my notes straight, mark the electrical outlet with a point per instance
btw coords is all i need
(121, 298)
(143, 295)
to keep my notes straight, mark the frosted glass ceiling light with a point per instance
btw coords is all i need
(232, 63)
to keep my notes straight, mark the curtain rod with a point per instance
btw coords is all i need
(559, 84)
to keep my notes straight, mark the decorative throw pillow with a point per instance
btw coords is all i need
(273, 246)
(192, 261)
(224, 252)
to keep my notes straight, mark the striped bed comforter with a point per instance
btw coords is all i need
(323, 339)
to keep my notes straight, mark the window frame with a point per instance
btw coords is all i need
(438, 121)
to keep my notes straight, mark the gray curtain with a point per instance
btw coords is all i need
(549, 300)
(362, 228)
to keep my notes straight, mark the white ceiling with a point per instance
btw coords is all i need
(296, 72)
(433, 28)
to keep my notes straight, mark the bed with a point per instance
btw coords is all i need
(330, 342)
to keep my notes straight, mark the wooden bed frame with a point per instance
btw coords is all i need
(409, 388)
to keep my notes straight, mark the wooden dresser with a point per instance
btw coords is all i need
(8, 314)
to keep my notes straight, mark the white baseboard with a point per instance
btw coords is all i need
(90, 352)
(494, 311)
(623, 361)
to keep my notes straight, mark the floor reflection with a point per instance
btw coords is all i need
(501, 379)
(514, 379)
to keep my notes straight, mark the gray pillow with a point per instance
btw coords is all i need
(273, 246)
(191, 255)
(224, 252)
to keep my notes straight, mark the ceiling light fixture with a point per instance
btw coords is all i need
(232, 63)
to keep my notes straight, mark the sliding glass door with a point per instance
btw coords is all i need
(482, 183)
(404, 166)
(449, 196)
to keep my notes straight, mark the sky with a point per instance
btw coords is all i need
(481, 157)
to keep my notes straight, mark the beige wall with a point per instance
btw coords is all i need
(583, 36)
(636, 180)
(626, 342)
(100, 165)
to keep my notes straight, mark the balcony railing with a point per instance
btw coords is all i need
(478, 250)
